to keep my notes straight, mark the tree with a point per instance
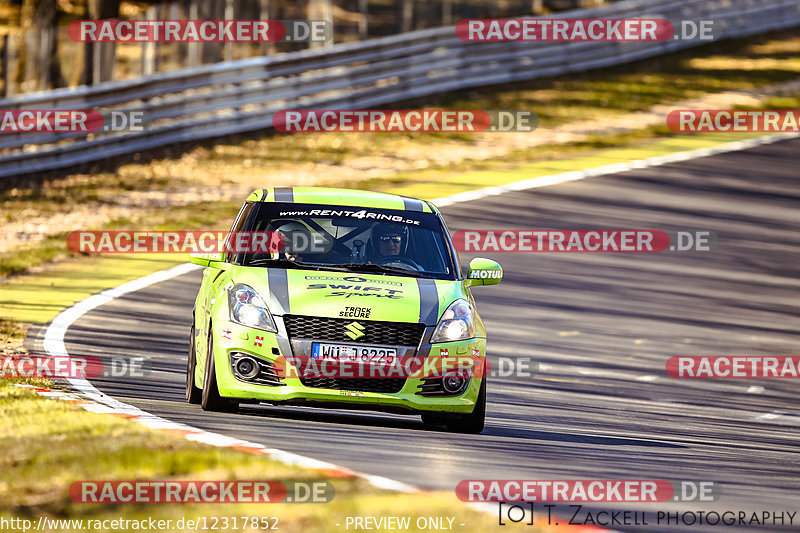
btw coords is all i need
(38, 66)
(98, 58)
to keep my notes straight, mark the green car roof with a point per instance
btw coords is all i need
(334, 196)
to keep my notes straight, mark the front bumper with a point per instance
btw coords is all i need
(230, 338)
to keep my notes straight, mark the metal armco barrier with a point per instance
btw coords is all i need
(240, 96)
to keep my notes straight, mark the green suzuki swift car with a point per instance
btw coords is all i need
(340, 298)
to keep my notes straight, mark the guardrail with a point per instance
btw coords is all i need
(241, 96)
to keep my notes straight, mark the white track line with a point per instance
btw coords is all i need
(555, 179)
(54, 335)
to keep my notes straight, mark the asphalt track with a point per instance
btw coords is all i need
(600, 325)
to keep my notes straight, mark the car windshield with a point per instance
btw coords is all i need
(350, 239)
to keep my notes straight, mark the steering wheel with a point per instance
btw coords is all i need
(395, 260)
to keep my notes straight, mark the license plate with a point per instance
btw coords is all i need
(343, 352)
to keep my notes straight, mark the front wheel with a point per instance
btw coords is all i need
(211, 400)
(193, 392)
(475, 421)
(471, 423)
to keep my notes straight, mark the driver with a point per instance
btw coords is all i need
(391, 240)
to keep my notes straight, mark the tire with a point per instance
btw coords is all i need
(475, 421)
(210, 399)
(193, 393)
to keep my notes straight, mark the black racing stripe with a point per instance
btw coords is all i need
(284, 194)
(428, 301)
(412, 204)
(278, 290)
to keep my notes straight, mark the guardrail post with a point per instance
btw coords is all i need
(319, 10)
(363, 21)
(4, 65)
(264, 14)
(406, 12)
(149, 48)
(193, 48)
(229, 15)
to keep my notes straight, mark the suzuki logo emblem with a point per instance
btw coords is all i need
(354, 330)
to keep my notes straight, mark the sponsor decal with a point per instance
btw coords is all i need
(443, 352)
(259, 341)
(484, 274)
(354, 330)
(348, 290)
(355, 312)
(362, 214)
(354, 279)
(350, 393)
(227, 334)
(476, 352)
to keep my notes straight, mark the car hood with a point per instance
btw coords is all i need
(359, 296)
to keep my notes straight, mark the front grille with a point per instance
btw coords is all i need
(388, 385)
(334, 329)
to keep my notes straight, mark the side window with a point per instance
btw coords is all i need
(240, 224)
(428, 249)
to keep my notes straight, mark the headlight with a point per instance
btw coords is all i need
(248, 308)
(456, 324)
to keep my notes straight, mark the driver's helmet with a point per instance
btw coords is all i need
(381, 231)
(297, 239)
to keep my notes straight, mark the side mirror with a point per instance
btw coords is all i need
(483, 271)
(206, 258)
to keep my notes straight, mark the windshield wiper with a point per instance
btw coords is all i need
(288, 263)
(282, 263)
(369, 267)
(349, 267)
